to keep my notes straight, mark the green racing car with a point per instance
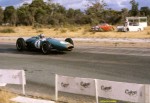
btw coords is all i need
(46, 45)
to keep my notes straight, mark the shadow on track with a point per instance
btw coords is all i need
(6, 48)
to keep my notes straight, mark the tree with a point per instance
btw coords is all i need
(10, 15)
(36, 8)
(45, 13)
(70, 13)
(1, 15)
(60, 9)
(99, 4)
(134, 8)
(41, 16)
(96, 7)
(84, 19)
(145, 11)
(38, 4)
(95, 10)
(78, 16)
(124, 14)
(111, 16)
(24, 16)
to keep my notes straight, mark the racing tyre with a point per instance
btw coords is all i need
(46, 47)
(20, 44)
(69, 40)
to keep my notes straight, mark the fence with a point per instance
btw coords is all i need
(12, 77)
(86, 86)
(102, 88)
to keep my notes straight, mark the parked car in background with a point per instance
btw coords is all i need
(103, 27)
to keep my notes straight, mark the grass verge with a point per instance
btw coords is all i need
(73, 32)
(7, 30)
(5, 96)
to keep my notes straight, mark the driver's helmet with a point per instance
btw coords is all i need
(41, 36)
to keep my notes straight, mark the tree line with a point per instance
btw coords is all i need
(48, 13)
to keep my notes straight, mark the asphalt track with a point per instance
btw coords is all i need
(117, 64)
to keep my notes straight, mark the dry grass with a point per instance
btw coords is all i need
(74, 32)
(5, 96)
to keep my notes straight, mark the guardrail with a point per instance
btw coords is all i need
(130, 92)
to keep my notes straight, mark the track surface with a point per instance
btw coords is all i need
(117, 64)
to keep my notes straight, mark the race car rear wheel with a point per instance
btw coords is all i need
(46, 47)
(20, 44)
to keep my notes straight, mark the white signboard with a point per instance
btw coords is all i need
(2, 84)
(121, 91)
(147, 93)
(76, 85)
(12, 77)
(85, 86)
(21, 99)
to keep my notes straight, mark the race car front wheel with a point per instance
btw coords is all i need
(20, 44)
(46, 47)
(69, 40)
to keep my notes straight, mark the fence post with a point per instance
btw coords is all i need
(96, 90)
(147, 93)
(56, 87)
(23, 81)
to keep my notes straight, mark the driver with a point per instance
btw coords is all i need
(41, 36)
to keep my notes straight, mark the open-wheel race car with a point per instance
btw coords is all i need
(46, 45)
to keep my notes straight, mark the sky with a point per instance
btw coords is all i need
(80, 4)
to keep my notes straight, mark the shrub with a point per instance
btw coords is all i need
(93, 32)
(148, 33)
(63, 30)
(7, 30)
(49, 26)
(37, 25)
(85, 31)
(39, 31)
(73, 29)
(56, 29)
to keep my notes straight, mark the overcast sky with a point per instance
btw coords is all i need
(80, 4)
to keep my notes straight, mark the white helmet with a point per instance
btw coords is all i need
(41, 36)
